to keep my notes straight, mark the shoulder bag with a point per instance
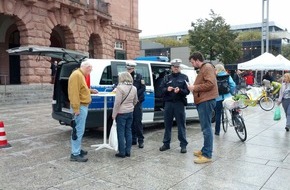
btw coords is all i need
(126, 95)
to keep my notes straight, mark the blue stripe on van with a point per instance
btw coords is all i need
(149, 101)
(98, 102)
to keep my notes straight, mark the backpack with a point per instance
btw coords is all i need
(223, 84)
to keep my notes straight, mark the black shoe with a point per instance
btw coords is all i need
(120, 155)
(141, 145)
(77, 158)
(287, 129)
(217, 134)
(163, 148)
(183, 150)
(134, 143)
(128, 154)
(83, 152)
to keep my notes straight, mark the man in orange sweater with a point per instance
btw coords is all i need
(80, 98)
(205, 91)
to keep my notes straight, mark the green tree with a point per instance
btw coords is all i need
(285, 51)
(252, 35)
(249, 35)
(171, 42)
(214, 39)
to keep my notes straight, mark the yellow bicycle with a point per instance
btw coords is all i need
(248, 99)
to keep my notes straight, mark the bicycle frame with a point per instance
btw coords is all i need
(236, 121)
(253, 102)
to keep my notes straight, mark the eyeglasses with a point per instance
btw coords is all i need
(176, 67)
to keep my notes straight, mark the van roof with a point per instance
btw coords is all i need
(98, 61)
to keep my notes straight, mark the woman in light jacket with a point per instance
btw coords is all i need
(125, 100)
(220, 71)
(284, 98)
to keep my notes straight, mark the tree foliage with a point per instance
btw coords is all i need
(285, 51)
(249, 35)
(171, 42)
(214, 39)
(252, 35)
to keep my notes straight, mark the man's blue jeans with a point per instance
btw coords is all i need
(80, 127)
(124, 132)
(205, 110)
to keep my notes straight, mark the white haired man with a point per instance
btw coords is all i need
(80, 98)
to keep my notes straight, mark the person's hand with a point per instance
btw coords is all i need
(278, 103)
(77, 113)
(190, 87)
(176, 90)
(94, 91)
(113, 118)
(170, 88)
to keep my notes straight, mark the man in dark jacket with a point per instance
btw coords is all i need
(137, 127)
(174, 88)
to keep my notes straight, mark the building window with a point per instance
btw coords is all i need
(119, 45)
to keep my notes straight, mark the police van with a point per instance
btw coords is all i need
(103, 77)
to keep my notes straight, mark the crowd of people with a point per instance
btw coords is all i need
(127, 110)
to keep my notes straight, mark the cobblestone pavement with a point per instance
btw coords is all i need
(39, 156)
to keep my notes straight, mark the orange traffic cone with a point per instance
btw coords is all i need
(3, 140)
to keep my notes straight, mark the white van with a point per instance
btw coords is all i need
(103, 77)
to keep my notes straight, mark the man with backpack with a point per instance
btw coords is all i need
(226, 87)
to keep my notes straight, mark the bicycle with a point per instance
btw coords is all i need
(232, 116)
(265, 102)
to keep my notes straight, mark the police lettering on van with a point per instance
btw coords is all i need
(103, 77)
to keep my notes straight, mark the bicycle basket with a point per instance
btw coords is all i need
(230, 104)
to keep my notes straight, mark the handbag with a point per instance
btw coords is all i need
(113, 137)
(277, 114)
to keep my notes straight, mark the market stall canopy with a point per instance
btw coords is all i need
(285, 61)
(266, 61)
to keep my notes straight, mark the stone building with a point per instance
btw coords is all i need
(102, 28)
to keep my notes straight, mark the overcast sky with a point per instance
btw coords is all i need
(169, 16)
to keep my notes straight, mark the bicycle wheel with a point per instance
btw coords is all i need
(225, 119)
(266, 103)
(242, 104)
(240, 127)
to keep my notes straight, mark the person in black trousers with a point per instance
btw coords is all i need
(137, 127)
(174, 88)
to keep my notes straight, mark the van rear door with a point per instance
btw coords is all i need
(70, 60)
(53, 52)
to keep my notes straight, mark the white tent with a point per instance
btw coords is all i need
(266, 61)
(283, 60)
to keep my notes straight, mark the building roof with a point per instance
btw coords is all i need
(233, 27)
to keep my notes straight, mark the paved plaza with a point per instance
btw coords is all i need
(39, 157)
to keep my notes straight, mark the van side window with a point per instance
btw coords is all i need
(107, 76)
(143, 69)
